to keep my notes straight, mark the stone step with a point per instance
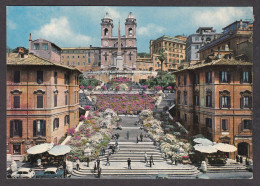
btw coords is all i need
(132, 158)
(131, 143)
(133, 155)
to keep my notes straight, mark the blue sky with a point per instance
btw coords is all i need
(77, 26)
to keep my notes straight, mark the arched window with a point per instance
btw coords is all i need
(130, 31)
(105, 31)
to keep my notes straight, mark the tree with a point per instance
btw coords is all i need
(88, 81)
(16, 50)
(162, 57)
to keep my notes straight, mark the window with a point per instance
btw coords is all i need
(89, 60)
(45, 46)
(72, 56)
(78, 63)
(197, 46)
(185, 79)
(224, 102)
(16, 128)
(197, 100)
(179, 97)
(130, 31)
(39, 77)
(247, 124)
(246, 99)
(196, 119)
(209, 122)
(55, 77)
(224, 77)
(66, 79)
(68, 57)
(197, 78)
(185, 97)
(88, 54)
(55, 123)
(68, 63)
(16, 101)
(39, 101)
(39, 128)
(55, 100)
(66, 99)
(246, 77)
(36, 46)
(208, 77)
(67, 120)
(208, 101)
(78, 56)
(16, 76)
(224, 124)
(84, 63)
(197, 38)
(105, 32)
(17, 149)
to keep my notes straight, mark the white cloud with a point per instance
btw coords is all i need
(217, 17)
(11, 24)
(60, 32)
(150, 30)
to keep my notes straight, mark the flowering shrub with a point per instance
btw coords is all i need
(144, 87)
(71, 131)
(82, 118)
(121, 80)
(158, 88)
(81, 87)
(169, 88)
(87, 107)
(117, 87)
(89, 87)
(103, 87)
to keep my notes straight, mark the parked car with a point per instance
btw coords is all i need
(52, 172)
(23, 173)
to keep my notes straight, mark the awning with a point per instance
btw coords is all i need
(59, 150)
(41, 148)
(205, 148)
(225, 147)
(203, 141)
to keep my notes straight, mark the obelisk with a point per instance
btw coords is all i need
(119, 58)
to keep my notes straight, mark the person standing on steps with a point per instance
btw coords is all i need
(137, 140)
(77, 164)
(107, 161)
(129, 163)
(141, 137)
(127, 135)
(145, 157)
(150, 162)
(151, 159)
(98, 163)
(64, 168)
(99, 172)
(88, 161)
(95, 167)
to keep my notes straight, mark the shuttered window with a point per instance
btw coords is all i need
(224, 124)
(16, 101)
(40, 101)
(55, 100)
(224, 77)
(209, 122)
(16, 128)
(39, 128)
(16, 76)
(246, 102)
(224, 101)
(247, 124)
(55, 77)
(39, 77)
(66, 99)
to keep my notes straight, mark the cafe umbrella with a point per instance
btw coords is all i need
(41, 148)
(59, 150)
(203, 141)
(225, 147)
(205, 148)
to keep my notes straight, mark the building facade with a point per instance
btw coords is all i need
(233, 36)
(83, 58)
(42, 102)
(202, 36)
(174, 48)
(110, 45)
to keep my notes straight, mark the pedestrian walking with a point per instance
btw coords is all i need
(127, 135)
(107, 161)
(117, 136)
(129, 163)
(98, 163)
(141, 137)
(137, 140)
(88, 161)
(64, 168)
(77, 164)
(102, 151)
(145, 157)
(113, 149)
(150, 163)
(151, 158)
(237, 158)
(99, 172)
(241, 159)
(95, 167)
(116, 143)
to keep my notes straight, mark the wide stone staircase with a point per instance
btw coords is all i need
(135, 151)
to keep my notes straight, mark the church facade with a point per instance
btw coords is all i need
(123, 46)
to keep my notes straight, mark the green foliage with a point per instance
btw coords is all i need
(88, 81)
(163, 78)
(144, 55)
(17, 49)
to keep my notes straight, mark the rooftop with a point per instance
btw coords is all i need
(169, 38)
(218, 62)
(80, 48)
(32, 60)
